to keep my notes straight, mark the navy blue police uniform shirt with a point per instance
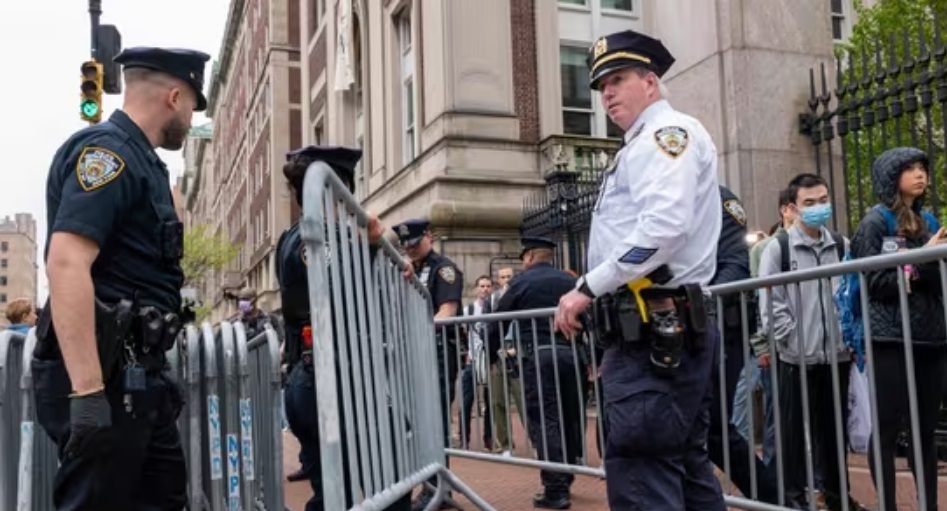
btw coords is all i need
(107, 184)
(292, 275)
(443, 280)
(733, 253)
(539, 287)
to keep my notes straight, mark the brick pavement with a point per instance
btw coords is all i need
(511, 488)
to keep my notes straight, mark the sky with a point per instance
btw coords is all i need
(46, 44)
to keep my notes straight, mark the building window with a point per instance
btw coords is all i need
(3, 298)
(3, 280)
(572, 2)
(838, 19)
(3, 263)
(405, 38)
(4, 246)
(577, 114)
(618, 5)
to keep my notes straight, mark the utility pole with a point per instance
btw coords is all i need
(95, 10)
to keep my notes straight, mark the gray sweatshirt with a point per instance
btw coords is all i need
(807, 325)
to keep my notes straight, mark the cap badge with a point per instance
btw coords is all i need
(601, 46)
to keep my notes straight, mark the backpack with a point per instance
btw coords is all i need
(848, 295)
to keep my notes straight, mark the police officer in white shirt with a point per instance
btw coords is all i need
(657, 218)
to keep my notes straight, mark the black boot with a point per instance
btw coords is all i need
(552, 500)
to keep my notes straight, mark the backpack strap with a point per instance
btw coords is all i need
(783, 238)
(933, 225)
(839, 245)
(890, 220)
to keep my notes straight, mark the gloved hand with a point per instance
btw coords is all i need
(90, 423)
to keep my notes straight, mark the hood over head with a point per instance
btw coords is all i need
(887, 169)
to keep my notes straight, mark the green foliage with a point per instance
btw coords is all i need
(203, 253)
(891, 93)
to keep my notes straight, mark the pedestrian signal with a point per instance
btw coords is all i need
(90, 107)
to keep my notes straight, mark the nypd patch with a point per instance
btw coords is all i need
(736, 210)
(97, 167)
(672, 140)
(448, 274)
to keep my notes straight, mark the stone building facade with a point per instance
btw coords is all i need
(18, 264)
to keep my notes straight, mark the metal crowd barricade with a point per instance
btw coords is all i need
(230, 425)
(765, 486)
(28, 458)
(373, 354)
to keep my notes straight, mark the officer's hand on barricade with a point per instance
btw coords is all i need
(408, 272)
(571, 305)
(90, 425)
(375, 230)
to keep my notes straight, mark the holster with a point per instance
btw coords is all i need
(691, 309)
(158, 331)
(112, 326)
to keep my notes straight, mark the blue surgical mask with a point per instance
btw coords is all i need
(816, 215)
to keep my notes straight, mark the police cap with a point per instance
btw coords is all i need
(533, 243)
(411, 231)
(342, 159)
(186, 65)
(627, 49)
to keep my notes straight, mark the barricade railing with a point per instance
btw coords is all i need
(230, 425)
(749, 482)
(374, 355)
(28, 458)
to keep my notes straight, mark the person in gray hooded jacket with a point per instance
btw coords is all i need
(900, 180)
(803, 325)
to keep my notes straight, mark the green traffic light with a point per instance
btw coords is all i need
(89, 108)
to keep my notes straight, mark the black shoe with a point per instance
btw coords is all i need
(297, 476)
(545, 501)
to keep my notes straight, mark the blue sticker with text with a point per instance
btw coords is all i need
(637, 255)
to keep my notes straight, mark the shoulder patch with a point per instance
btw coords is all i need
(736, 210)
(672, 140)
(97, 167)
(448, 274)
(637, 255)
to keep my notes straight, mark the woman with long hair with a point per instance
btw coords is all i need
(900, 180)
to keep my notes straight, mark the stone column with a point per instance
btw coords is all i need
(743, 70)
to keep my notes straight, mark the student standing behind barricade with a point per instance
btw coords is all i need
(803, 342)
(291, 271)
(113, 261)
(445, 282)
(21, 314)
(655, 223)
(253, 318)
(733, 264)
(900, 180)
(476, 365)
(542, 353)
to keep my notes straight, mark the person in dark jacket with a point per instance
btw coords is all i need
(900, 180)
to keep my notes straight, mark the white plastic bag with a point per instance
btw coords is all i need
(859, 411)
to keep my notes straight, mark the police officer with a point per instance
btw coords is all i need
(733, 264)
(544, 355)
(114, 256)
(291, 271)
(656, 220)
(445, 282)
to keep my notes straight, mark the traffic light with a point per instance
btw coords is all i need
(90, 108)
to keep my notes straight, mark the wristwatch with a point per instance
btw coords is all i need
(583, 287)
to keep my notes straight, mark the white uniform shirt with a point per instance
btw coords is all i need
(659, 204)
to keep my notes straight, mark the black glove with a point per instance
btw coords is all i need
(90, 425)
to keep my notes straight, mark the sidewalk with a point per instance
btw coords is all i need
(511, 488)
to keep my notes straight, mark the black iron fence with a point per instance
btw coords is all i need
(887, 93)
(562, 211)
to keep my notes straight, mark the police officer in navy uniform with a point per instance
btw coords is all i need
(733, 264)
(445, 282)
(113, 261)
(539, 287)
(653, 236)
(302, 412)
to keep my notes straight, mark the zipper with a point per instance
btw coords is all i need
(825, 330)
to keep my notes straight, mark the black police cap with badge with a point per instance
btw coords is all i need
(342, 160)
(185, 65)
(627, 49)
(534, 243)
(411, 231)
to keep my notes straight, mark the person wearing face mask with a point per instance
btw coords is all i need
(113, 260)
(252, 317)
(900, 180)
(802, 333)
